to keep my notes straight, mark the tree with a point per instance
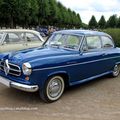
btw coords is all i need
(102, 22)
(64, 17)
(43, 11)
(79, 21)
(53, 12)
(112, 22)
(118, 23)
(28, 13)
(70, 21)
(18, 12)
(8, 11)
(93, 23)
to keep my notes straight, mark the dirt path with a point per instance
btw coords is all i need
(96, 100)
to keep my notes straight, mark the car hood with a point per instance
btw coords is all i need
(38, 53)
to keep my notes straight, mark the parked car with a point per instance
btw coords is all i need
(67, 58)
(18, 39)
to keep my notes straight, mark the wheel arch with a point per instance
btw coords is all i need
(62, 74)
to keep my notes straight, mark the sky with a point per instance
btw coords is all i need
(87, 8)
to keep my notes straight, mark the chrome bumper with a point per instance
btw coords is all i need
(23, 87)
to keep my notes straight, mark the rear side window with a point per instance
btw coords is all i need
(107, 42)
(93, 42)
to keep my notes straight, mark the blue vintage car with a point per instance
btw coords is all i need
(67, 58)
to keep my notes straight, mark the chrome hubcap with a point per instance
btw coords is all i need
(55, 88)
(116, 70)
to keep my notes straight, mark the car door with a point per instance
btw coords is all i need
(12, 42)
(32, 40)
(109, 53)
(92, 63)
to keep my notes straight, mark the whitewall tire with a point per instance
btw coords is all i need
(53, 89)
(116, 71)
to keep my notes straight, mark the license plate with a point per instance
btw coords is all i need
(5, 81)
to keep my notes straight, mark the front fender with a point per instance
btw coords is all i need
(56, 73)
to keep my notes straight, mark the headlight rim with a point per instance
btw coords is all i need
(26, 68)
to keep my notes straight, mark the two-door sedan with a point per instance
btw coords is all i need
(67, 58)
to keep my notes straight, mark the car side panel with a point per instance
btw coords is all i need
(83, 69)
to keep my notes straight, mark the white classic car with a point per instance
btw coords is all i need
(18, 39)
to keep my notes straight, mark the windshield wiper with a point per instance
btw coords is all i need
(70, 46)
(55, 45)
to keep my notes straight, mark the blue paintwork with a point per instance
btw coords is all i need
(77, 65)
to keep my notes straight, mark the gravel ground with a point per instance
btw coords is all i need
(95, 100)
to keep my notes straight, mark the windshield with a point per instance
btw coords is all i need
(64, 41)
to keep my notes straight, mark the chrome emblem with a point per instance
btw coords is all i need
(6, 67)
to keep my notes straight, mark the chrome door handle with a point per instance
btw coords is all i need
(104, 54)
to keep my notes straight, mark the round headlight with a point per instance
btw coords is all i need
(26, 67)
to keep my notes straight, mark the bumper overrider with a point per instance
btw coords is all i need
(23, 87)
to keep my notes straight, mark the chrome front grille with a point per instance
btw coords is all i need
(13, 69)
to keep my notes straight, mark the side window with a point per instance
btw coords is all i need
(107, 42)
(93, 42)
(12, 38)
(73, 42)
(31, 37)
(57, 39)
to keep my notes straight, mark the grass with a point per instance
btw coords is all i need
(115, 33)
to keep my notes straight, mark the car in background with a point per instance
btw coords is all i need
(67, 58)
(18, 39)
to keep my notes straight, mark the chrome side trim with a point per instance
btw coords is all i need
(90, 78)
(75, 64)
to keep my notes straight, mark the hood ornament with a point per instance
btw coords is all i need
(6, 67)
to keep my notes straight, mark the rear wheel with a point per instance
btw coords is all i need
(116, 71)
(53, 89)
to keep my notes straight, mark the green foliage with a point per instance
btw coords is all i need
(112, 22)
(115, 33)
(118, 23)
(93, 23)
(43, 11)
(28, 13)
(102, 22)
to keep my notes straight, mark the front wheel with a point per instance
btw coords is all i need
(53, 89)
(116, 71)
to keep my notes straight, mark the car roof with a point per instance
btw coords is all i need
(83, 32)
(18, 30)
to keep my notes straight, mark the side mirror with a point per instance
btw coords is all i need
(84, 49)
